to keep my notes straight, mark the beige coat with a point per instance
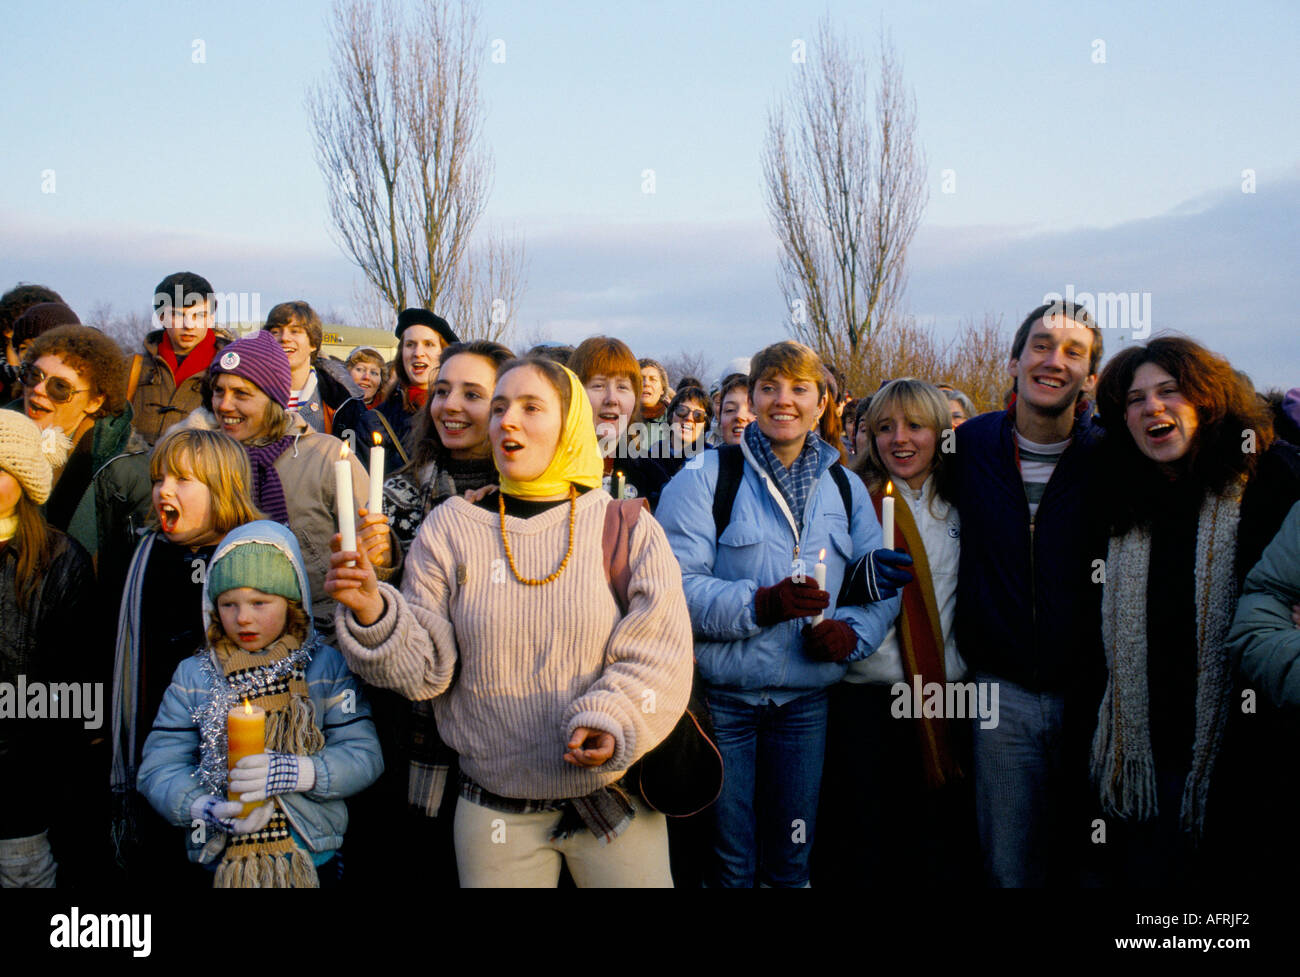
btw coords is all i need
(158, 403)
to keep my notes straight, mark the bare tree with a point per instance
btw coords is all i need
(845, 188)
(128, 330)
(688, 363)
(396, 128)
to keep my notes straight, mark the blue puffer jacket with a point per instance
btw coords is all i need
(1264, 642)
(1028, 606)
(758, 549)
(349, 762)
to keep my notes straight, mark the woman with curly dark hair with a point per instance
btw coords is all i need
(1198, 493)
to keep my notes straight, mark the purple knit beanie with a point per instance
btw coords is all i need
(259, 359)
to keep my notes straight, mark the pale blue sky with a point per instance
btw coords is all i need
(161, 163)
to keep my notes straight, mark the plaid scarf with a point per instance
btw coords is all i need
(606, 813)
(276, 680)
(795, 482)
(268, 493)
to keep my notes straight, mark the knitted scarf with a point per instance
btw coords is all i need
(920, 643)
(268, 493)
(274, 679)
(795, 482)
(1122, 764)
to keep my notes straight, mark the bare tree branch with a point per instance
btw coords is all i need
(845, 189)
(397, 133)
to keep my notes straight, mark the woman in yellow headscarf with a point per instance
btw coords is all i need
(507, 621)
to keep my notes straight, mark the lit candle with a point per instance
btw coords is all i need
(376, 503)
(887, 516)
(819, 574)
(618, 485)
(343, 499)
(245, 736)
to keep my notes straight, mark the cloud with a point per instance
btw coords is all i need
(1219, 269)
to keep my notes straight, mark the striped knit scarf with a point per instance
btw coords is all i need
(274, 679)
(268, 492)
(796, 482)
(1122, 765)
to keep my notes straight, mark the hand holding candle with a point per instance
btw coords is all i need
(245, 736)
(343, 500)
(819, 574)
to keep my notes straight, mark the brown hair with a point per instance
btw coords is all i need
(789, 359)
(830, 428)
(1226, 408)
(214, 459)
(427, 446)
(552, 371)
(605, 356)
(94, 356)
(34, 545)
(297, 313)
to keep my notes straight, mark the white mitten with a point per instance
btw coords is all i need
(263, 775)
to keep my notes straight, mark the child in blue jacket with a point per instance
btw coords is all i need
(321, 745)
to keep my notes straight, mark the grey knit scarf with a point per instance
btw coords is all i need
(1122, 764)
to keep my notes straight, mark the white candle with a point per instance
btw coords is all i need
(376, 503)
(618, 485)
(343, 499)
(887, 516)
(819, 574)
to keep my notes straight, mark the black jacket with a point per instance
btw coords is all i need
(43, 642)
(1028, 607)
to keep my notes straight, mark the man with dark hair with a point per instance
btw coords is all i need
(176, 356)
(1027, 605)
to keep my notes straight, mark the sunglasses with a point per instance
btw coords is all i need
(684, 412)
(59, 390)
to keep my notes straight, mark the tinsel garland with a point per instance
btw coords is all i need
(211, 717)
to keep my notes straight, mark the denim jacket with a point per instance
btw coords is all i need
(761, 547)
(349, 762)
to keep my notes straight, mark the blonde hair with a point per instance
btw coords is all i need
(216, 460)
(918, 401)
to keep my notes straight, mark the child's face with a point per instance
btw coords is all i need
(250, 618)
(184, 507)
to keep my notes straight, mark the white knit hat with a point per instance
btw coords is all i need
(27, 452)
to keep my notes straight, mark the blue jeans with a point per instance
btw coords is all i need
(765, 819)
(1018, 785)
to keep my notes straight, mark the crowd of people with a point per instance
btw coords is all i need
(614, 628)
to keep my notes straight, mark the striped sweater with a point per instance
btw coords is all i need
(513, 669)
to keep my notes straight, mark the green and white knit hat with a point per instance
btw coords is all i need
(262, 566)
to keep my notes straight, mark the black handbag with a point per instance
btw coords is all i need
(681, 776)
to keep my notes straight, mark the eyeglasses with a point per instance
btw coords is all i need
(684, 412)
(59, 390)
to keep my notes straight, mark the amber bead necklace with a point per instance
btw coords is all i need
(510, 558)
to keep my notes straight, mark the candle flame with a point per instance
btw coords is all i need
(889, 488)
(821, 555)
(344, 453)
(378, 439)
(248, 710)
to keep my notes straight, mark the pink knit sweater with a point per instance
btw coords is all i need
(534, 662)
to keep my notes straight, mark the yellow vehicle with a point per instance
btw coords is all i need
(339, 341)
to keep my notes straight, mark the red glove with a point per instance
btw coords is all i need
(788, 600)
(830, 641)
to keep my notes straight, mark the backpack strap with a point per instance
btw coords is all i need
(401, 452)
(133, 380)
(731, 467)
(620, 516)
(846, 493)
